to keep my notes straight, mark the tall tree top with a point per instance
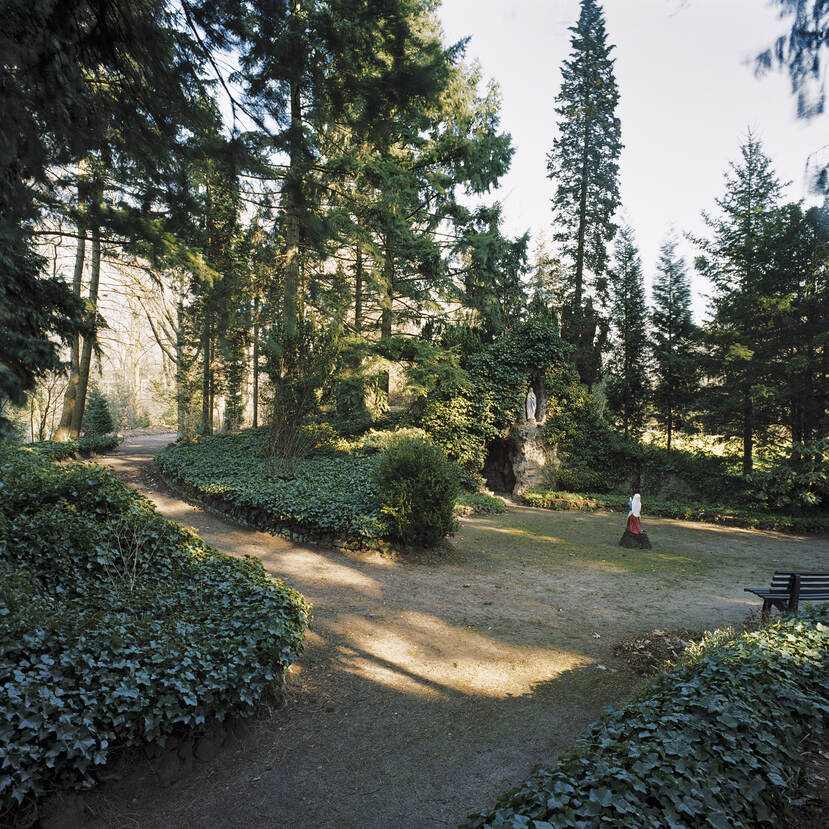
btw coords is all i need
(584, 160)
(736, 252)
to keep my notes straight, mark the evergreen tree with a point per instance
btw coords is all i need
(737, 258)
(114, 82)
(791, 332)
(628, 388)
(802, 52)
(673, 335)
(584, 164)
(97, 418)
(547, 284)
(492, 273)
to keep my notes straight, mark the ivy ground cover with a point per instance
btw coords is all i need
(716, 742)
(117, 627)
(331, 493)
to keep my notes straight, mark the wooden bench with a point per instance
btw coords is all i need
(789, 588)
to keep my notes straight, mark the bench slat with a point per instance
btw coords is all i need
(806, 586)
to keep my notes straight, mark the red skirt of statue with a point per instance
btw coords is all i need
(634, 525)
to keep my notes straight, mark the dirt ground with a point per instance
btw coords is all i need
(428, 689)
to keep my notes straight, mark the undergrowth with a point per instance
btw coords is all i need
(715, 742)
(736, 516)
(117, 627)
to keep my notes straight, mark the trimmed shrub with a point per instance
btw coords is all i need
(117, 627)
(714, 743)
(417, 487)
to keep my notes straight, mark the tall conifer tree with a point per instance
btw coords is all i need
(628, 388)
(584, 164)
(738, 259)
(672, 341)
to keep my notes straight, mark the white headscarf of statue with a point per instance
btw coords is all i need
(636, 506)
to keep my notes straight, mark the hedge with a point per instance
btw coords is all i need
(323, 495)
(83, 447)
(683, 510)
(119, 628)
(716, 742)
(330, 496)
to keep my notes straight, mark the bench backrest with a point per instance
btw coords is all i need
(782, 580)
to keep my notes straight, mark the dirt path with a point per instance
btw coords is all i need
(428, 689)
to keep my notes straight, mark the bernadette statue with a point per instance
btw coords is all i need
(634, 535)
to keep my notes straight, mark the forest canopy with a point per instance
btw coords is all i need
(260, 213)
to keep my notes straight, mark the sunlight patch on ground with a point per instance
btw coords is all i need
(524, 534)
(442, 660)
(301, 564)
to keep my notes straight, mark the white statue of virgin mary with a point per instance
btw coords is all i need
(531, 404)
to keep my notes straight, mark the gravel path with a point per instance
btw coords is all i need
(428, 689)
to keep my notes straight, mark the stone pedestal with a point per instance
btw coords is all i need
(635, 541)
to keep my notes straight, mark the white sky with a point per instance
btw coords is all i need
(688, 96)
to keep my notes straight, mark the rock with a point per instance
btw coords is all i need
(63, 811)
(528, 455)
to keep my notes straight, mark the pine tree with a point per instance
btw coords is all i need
(492, 273)
(737, 258)
(584, 164)
(547, 284)
(628, 388)
(790, 332)
(673, 335)
(97, 417)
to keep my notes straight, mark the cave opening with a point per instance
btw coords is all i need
(498, 471)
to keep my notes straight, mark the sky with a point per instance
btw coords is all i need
(688, 95)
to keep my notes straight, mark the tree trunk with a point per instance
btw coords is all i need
(86, 354)
(255, 362)
(183, 426)
(748, 434)
(70, 396)
(291, 305)
(207, 370)
(358, 290)
(386, 303)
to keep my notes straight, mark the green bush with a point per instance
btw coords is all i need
(118, 627)
(379, 440)
(717, 742)
(478, 503)
(472, 407)
(417, 487)
(799, 480)
(97, 417)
